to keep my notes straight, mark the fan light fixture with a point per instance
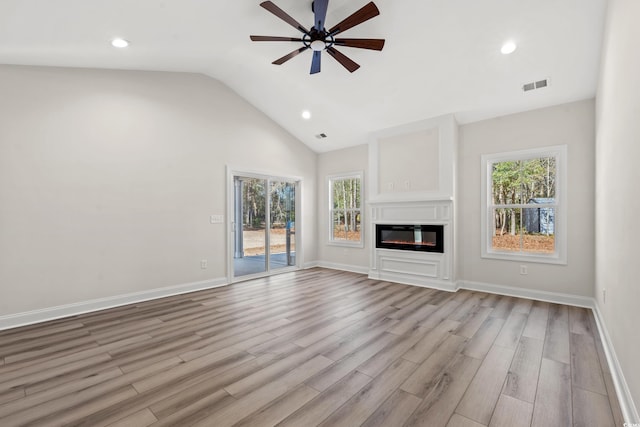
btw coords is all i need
(318, 38)
(120, 43)
(317, 45)
(508, 47)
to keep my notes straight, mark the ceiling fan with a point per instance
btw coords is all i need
(318, 38)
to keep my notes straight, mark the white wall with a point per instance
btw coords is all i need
(351, 159)
(409, 162)
(617, 187)
(108, 178)
(414, 161)
(571, 124)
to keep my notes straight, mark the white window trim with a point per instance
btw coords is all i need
(344, 243)
(560, 254)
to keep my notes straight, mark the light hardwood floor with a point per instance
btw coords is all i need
(315, 347)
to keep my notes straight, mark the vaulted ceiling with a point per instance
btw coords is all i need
(440, 56)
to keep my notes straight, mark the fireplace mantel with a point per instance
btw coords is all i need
(411, 211)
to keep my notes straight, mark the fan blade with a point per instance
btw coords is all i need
(367, 12)
(373, 44)
(315, 62)
(320, 13)
(342, 59)
(274, 39)
(284, 16)
(287, 57)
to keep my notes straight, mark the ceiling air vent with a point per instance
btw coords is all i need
(535, 85)
(321, 135)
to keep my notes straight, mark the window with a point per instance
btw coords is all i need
(345, 209)
(524, 211)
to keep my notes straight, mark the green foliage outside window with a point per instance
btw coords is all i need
(523, 202)
(345, 209)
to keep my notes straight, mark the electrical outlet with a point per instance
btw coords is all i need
(523, 270)
(204, 264)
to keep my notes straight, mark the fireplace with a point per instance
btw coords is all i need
(422, 238)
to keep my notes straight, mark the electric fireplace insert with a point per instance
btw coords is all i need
(423, 238)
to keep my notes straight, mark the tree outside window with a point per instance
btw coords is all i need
(524, 210)
(523, 195)
(345, 209)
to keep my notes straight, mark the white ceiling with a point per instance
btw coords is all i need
(440, 56)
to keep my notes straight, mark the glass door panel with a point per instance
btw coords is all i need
(282, 248)
(250, 252)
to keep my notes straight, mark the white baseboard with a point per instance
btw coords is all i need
(555, 297)
(342, 267)
(413, 280)
(52, 313)
(310, 264)
(627, 406)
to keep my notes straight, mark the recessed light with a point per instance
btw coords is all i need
(508, 47)
(306, 114)
(119, 43)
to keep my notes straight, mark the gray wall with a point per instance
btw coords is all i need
(351, 159)
(571, 124)
(108, 179)
(618, 187)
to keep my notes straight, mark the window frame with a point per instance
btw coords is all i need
(330, 180)
(560, 206)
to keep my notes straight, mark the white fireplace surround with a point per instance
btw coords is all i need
(412, 181)
(429, 269)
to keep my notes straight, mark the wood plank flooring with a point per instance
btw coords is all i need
(314, 347)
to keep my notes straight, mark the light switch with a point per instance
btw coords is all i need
(216, 219)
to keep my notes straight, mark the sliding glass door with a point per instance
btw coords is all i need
(264, 213)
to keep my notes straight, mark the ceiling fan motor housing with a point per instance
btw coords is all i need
(318, 40)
